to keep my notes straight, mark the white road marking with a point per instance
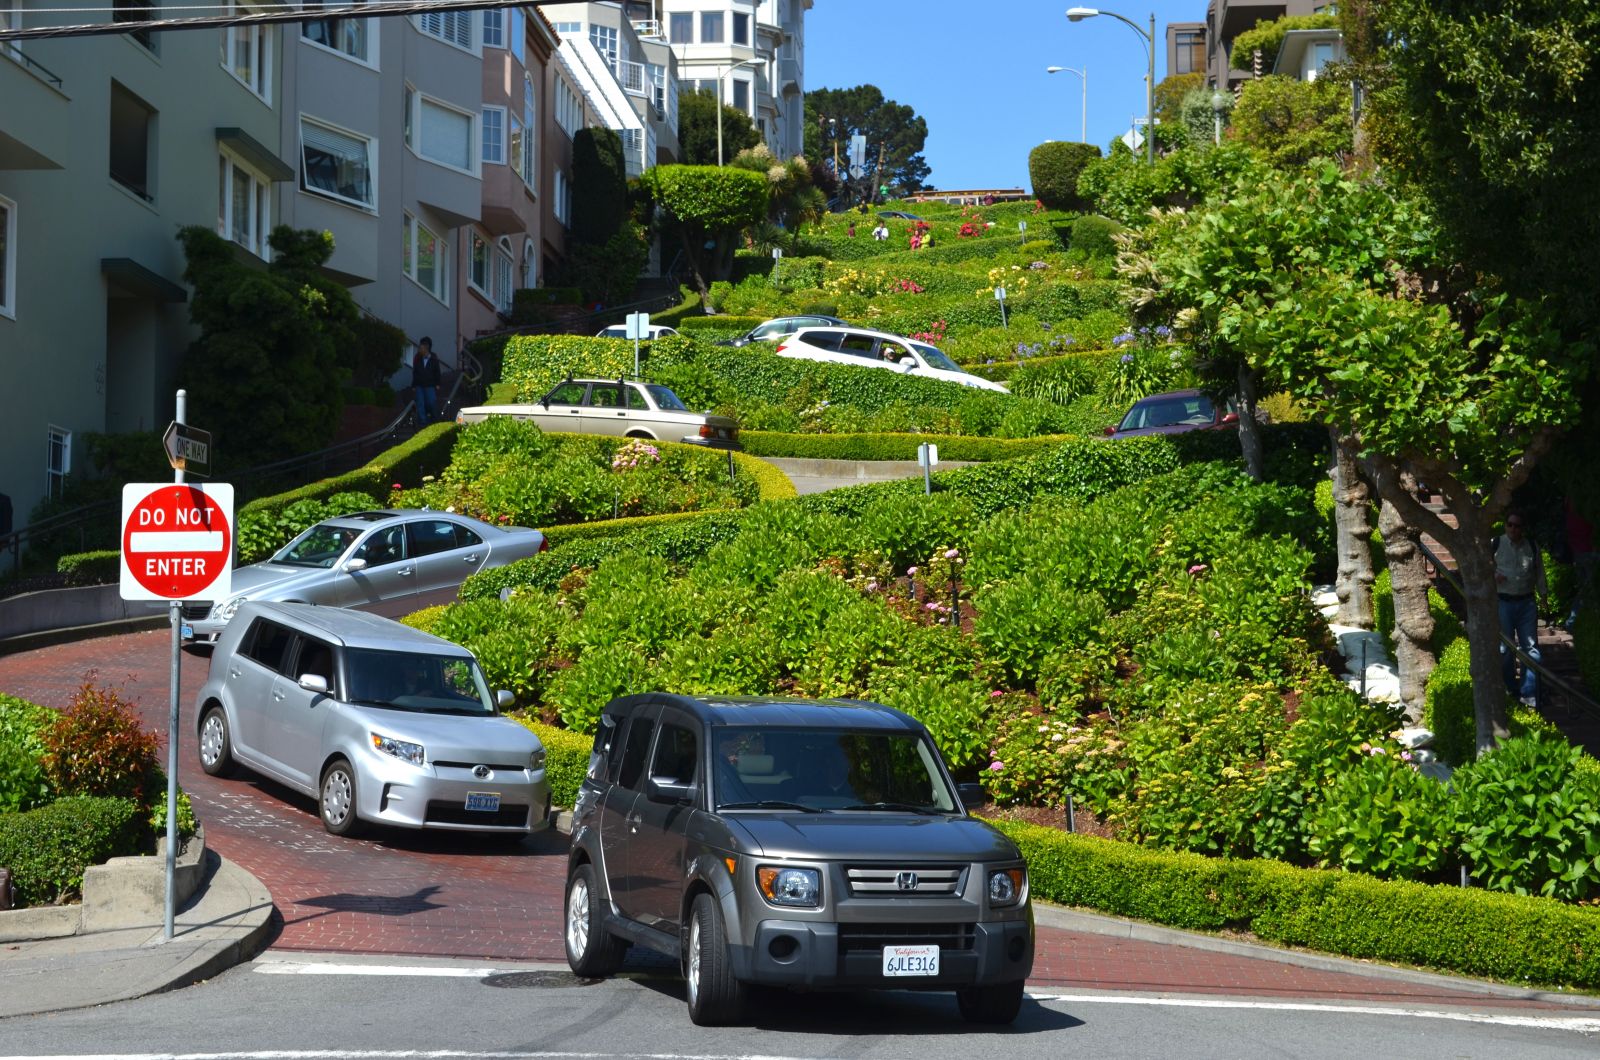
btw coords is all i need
(386, 1054)
(1580, 1024)
(375, 969)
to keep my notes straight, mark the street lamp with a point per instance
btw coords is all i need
(1078, 14)
(1083, 135)
(721, 78)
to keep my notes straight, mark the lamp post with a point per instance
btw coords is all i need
(1078, 14)
(1083, 135)
(721, 78)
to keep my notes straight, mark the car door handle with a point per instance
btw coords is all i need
(634, 823)
(405, 571)
(470, 559)
(233, 671)
(277, 693)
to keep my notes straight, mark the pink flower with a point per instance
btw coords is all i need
(1366, 748)
(930, 607)
(996, 694)
(396, 486)
(872, 587)
(996, 766)
(951, 553)
(1405, 756)
(911, 571)
(1196, 569)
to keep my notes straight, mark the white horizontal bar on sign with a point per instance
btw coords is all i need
(175, 541)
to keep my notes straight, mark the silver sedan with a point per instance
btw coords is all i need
(618, 407)
(388, 562)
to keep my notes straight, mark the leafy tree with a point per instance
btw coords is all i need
(1268, 38)
(1124, 187)
(1197, 112)
(1290, 122)
(275, 344)
(1054, 169)
(600, 185)
(1170, 93)
(711, 206)
(895, 136)
(697, 129)
(606, 272)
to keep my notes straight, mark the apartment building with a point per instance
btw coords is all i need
(1204, 47)
(108, 146)
(753, 49)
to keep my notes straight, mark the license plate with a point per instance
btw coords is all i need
(486, 801)
(910, 960)
(188, 631)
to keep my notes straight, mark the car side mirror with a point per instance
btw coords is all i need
(659, 790)
(504, 699)
(314, 683)
(351, 566)
(971, 795)
(1232, 417)
(545, 401)
(1109, 431)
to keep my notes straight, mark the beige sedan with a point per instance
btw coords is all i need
(617, 407)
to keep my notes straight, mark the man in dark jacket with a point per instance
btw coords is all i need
(425, 381)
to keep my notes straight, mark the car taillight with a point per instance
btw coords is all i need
(707, 431)
(781, 347)
(544, 543)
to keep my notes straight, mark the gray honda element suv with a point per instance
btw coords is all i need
(791, 842)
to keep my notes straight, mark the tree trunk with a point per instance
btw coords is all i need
(1352, 504)
(691, 254)
(1476, 565)
(1249, 427)
(1413, 621)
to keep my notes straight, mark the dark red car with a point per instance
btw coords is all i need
(1173, 412)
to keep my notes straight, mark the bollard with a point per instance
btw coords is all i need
(1072, 825)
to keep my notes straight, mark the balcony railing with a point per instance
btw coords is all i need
(648, 27)
(39, 70)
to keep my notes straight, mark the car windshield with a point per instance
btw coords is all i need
(666, 399)
(417, 682)
(321, 546)
(806, 770)
(1185, 409)
(936, 358)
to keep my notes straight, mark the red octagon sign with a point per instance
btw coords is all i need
(177, 541)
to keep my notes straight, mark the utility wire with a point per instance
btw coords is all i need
(379, 9)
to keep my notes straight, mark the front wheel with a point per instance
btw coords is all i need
(338, 799)
(715, 996)
(991, 1004)
(592, 952)
(216, 751)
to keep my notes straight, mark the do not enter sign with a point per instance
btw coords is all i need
(177, 541)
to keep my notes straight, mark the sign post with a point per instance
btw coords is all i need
(177, 544)
(1022, 228)
(1000, 296)
(638, 327)
(927, 456)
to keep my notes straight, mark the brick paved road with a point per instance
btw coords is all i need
(441, 895)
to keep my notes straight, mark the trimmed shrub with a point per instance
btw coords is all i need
(48, 849)
(566, 759)
(22, 745)
(1092, 236)
(1054, 168)
(91, 568)
(952, 447)
(98, 746)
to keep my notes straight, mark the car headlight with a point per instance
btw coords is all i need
(785, 886)
(406, 752)
(1005, 886)
(226, 609)
(536, 759)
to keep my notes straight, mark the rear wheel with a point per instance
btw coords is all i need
(991, 1004)
(338, 798)
(216, 752)
(592, 952)
(715, 996)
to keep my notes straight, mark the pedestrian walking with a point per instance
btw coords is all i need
(425, 375)
(1519, 578)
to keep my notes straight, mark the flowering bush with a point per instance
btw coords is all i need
(634, 453)
(933, 336)
(908, 286)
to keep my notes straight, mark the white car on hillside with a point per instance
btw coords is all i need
(879, 349)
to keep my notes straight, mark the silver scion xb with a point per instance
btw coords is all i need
(379, 722)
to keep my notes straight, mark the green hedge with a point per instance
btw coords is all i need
(892, 446)
(425, 453)
(1001, 371)
(48, 849)
(91, 568)
(566, 758)
(720, 323)
(1462, 930)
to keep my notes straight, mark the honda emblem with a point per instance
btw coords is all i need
(906, 881)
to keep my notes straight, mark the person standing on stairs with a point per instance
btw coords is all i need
(1519, 577)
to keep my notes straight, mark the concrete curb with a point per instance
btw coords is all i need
(46, 638)
(1100, 924)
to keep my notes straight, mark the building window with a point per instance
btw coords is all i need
(514, 147)
(244, 206)
(741, 28)
(680, 27)
(569, 29)
(604, 39)
(490, 269)
(569, 111)
(711, 27)
(337, 164)
(502, 276)
(494, 29)
(530, 134)
(529, 277)
(519, 36)
(1321, 56)
(741, 95)
(136, 11)
(132, 142)
(438, 133)
(560, 204)
(478, 265)
(57, 461)
(1190, 49)
(494, 135)
(8, 258)
(247, 52)
(347, 36)
(658, 86)
(452, 27)
(424, 258)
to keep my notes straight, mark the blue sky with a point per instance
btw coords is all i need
(975, 71)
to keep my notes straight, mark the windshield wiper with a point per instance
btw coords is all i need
(768, 804)
(898, 807)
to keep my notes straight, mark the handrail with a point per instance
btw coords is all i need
(1580, 698)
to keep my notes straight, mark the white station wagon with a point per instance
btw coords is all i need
(619, 407)
(879, 349)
